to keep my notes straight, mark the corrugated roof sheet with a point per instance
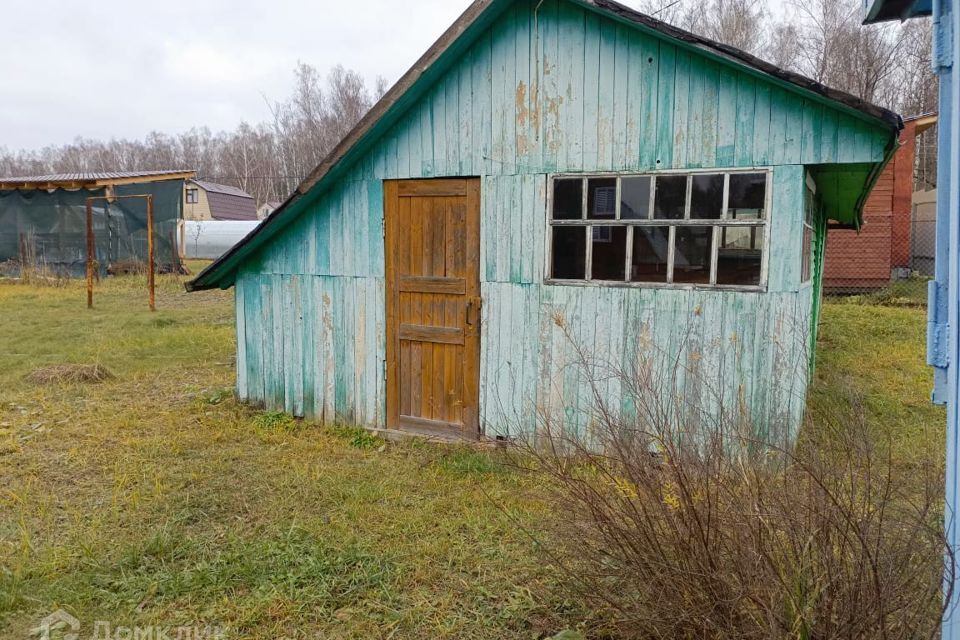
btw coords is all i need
(70, 178)
(213, 187)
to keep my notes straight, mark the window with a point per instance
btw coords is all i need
(701, 229)
(193, 197)
(806, 266)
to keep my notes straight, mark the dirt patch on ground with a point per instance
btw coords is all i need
(70, 374)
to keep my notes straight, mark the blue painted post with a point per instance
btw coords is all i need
(944, 310)
(943, 339)
(947, 29)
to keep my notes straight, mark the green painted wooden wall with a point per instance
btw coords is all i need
(562, 89)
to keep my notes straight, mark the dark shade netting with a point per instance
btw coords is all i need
(47, 230)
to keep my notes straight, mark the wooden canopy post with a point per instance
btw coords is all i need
(91, 247)
(151, 266)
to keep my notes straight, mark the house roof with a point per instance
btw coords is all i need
(453, 42)
(87, 180)
(883, 10)
(227, 190)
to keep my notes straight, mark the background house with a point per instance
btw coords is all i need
(43, 220)
(204, 200)
(267, 208)
(552, 179)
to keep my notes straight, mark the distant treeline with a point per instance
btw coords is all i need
(822, 39)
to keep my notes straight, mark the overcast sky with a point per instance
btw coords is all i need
(123, 68)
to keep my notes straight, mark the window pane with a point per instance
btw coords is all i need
(740, 255)
(651, 246)
(635, 198)
(671, 198)
(602, 198)
(568, 199)
(748, 196)
(706, 197)
(609, 253)
(691, 261)
(569, 253)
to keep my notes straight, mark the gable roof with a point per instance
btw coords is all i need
(457, 39)
(227, 190)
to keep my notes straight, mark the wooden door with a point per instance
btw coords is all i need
(433, 306)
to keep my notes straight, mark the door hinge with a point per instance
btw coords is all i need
(942, 43)
(938, 338)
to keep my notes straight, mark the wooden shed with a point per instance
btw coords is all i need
(556, 178)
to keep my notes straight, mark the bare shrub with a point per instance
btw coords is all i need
(676, 531)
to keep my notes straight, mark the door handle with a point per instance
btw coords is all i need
(473, 306)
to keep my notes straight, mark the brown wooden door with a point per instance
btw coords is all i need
(433, 306)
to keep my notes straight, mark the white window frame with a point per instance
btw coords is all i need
(650, 221)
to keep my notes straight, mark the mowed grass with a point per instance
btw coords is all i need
(153, 498)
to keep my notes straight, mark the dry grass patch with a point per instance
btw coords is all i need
(70, 374)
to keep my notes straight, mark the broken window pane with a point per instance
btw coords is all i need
(609, 253)
(706, 197)
(671, 198)
(740, 256)
(569, 253)
(602, 198)
(651, 249)
(568, 199)
(635, 198)
(691, 262)
(748, 196)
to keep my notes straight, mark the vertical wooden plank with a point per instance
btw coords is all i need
(240, 308)
(793, 138)
(666, 98)
(746, 119)
(762, 148)
(489, 226)
(465, 123)
(375, 227)
(472, 332)
(502, 93)
(518, 246)
(308, 333)
(551, 96)
(572, 48)
(253, 337)
(633, 61)
(482, 76)
(650, 65)
(778, 126)
(391, 218)
(810, 151)
(621, 158)
(726, 143)
(711, 114)
(592, 108)
(681, 110)
(846, 139)
(523, 87)
(696, 112)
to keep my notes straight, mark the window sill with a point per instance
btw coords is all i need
(655, 285)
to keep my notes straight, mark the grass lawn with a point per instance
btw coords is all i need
(153, 498)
